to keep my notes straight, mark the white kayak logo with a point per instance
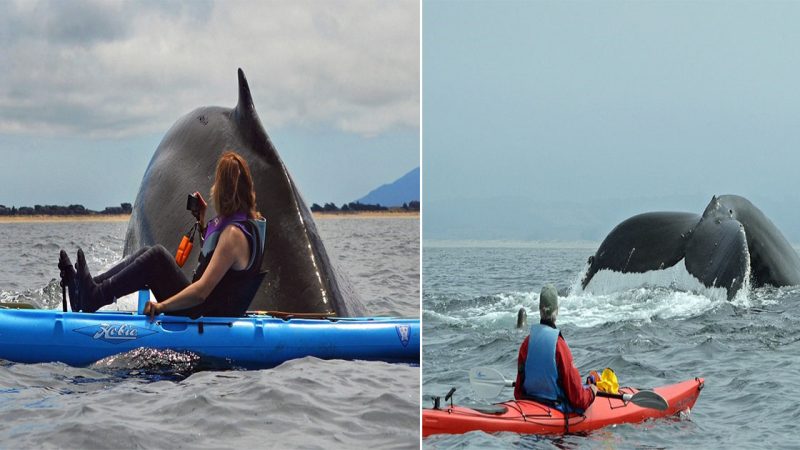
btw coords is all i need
(114, 333)
(404, 333)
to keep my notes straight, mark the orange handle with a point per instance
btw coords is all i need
(184, 249)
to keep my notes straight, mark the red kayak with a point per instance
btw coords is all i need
(530, 417)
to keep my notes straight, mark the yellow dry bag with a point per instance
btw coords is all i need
(608, 382)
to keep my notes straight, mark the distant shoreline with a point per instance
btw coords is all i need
(126, 217)
(367, 215)
(74, 218)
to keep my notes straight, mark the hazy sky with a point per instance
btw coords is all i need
(577, 101)
(89, 88)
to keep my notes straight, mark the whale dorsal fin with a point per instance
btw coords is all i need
(249, 124)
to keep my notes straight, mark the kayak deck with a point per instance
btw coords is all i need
(530, 417)
(256, 341)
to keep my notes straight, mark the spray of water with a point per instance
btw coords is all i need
(611, 297)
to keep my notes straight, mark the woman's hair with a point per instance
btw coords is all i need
(233, 190)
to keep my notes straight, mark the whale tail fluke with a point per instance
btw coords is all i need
(732, 244)
(649, 241)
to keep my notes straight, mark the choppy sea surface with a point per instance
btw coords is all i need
(652, 330)
(162, 400)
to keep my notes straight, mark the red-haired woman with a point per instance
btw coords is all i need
(228, 271)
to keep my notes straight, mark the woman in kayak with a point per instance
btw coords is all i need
(228, 272)
(545, 371)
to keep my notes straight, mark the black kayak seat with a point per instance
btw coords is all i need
(489, 409)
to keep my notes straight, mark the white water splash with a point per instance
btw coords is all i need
(669, 293)
(641, 304)
(675, 277)
(611, 297)
(585, 309)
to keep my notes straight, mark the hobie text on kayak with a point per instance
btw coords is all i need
(115, 332)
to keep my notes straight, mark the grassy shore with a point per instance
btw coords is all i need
(125, 217)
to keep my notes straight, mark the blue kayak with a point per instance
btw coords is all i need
(250, 342)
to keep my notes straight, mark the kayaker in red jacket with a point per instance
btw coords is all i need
(546, 370)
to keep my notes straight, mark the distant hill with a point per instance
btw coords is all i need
(404, 190)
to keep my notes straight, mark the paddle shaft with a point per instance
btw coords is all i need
(610, 395)
(644, 399)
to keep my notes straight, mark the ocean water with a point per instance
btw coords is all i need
(162, 399)
(651, 330)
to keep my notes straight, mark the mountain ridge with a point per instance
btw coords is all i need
(403, 190)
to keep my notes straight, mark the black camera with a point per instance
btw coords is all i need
(193, 203)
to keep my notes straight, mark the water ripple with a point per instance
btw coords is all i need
(162, 399)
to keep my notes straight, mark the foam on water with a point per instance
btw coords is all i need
(586, 309)
(669, 293)
(638, 304)
(611, 297)
(675, 277)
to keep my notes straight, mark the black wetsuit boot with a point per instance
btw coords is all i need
(90, 294)
(68, 279)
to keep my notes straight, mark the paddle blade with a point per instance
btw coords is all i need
(486, 382)
(649, 399)
(644, 399)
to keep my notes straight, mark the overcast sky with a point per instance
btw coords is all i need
(89, 88)
(580, 101)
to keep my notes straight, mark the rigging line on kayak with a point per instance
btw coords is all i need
(614, 405)
(519, 410)
(623, 402)
(546, 411)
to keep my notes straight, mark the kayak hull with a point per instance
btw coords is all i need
(252, 342)
(530, 417)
